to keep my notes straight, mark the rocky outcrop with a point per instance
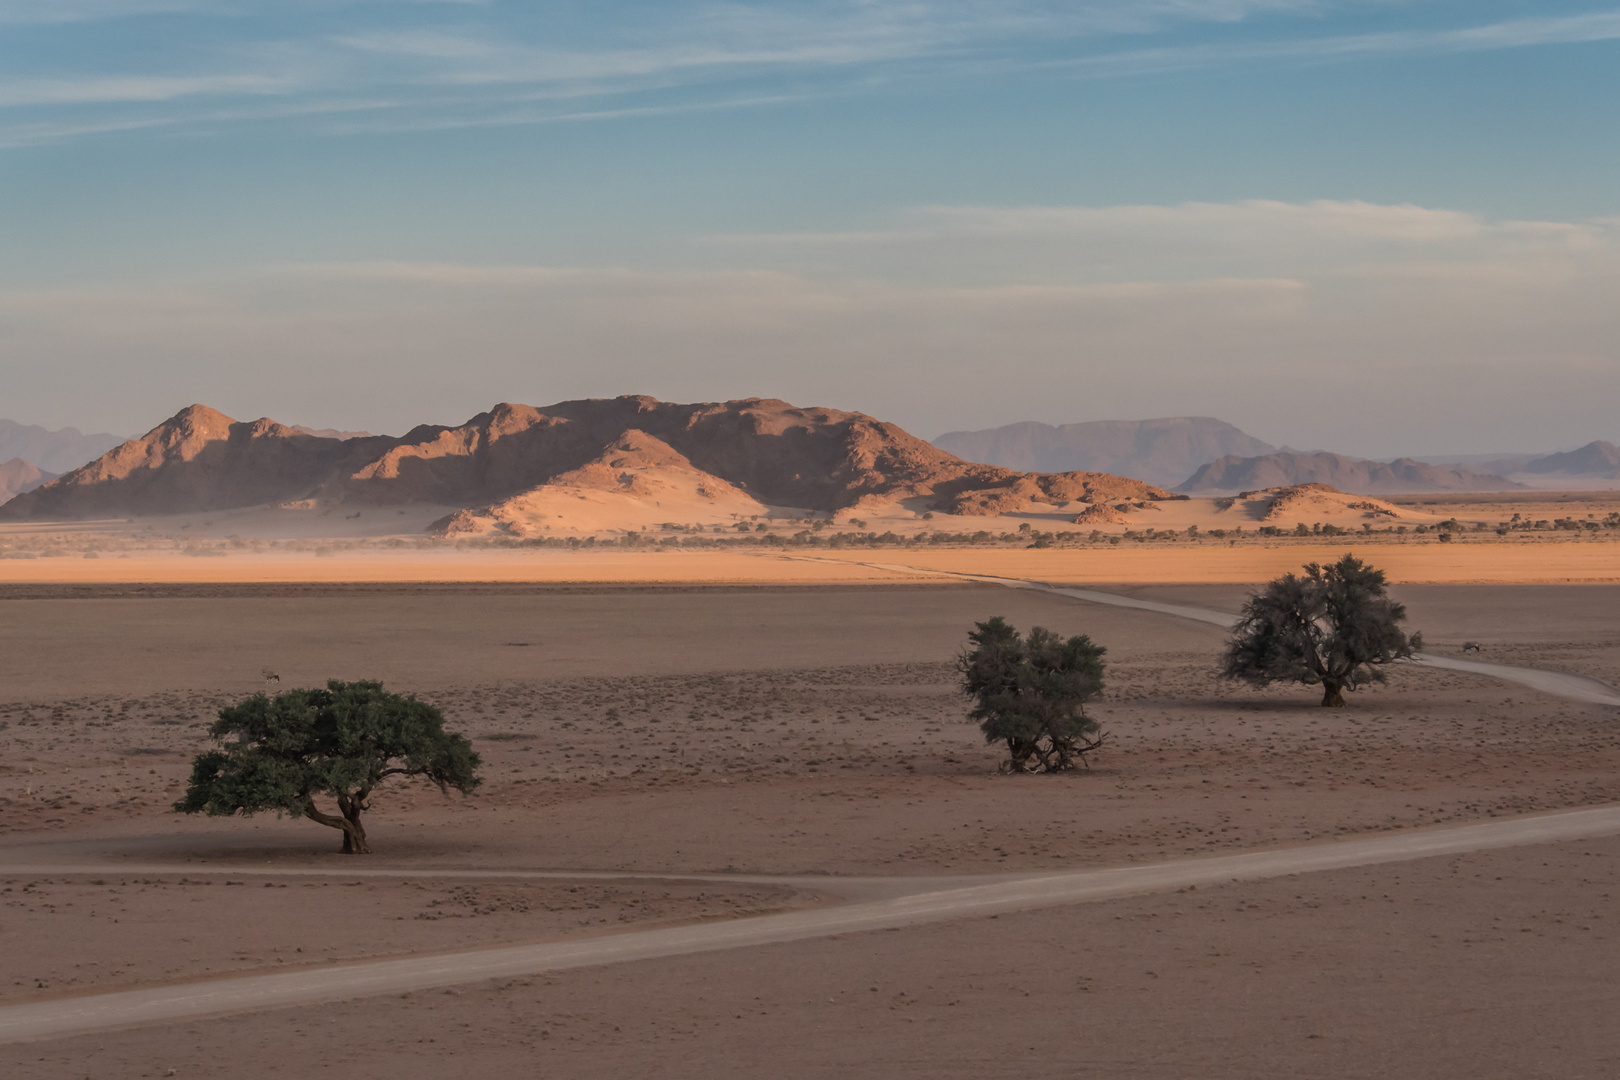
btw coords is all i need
(1308, 502)
(1104, 514)
(1020, 491)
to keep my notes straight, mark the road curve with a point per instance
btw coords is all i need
(99, 1012)
(1558, 683)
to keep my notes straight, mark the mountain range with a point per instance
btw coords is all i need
(1286, 468)
(1597, 459)
(1482, 472)
(18, 476)
(1203, 455)
(1165, 451)
(52, 451)
(518, 468)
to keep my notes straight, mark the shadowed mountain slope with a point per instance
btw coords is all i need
(197, 460)
(1163, 451)
(1288, 469)
(749, 454)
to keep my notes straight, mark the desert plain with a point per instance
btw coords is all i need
(690, 738)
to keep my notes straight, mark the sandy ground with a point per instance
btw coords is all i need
(1516, 560)
(815, 730)
(1497, 966)
(201, 921)
(682, 505)
(1418, 562)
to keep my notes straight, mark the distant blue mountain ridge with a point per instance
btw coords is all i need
(1203, 455)
(55, 451)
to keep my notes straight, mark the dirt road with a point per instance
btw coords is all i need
(49, 1019)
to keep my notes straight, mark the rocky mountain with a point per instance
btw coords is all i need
(1163, 451)
(1597, 459)
(54, 451)
(197, 460)
(18, 476)
(1288, 469)
(516, 467)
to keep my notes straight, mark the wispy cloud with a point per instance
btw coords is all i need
(451, 63)
(134, 88)
(23, 12)
(1510, 34)
(72, 11)
(1252, 239)
(1316, 220)
(714, 39)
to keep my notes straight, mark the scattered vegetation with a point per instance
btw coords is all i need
(1031, 692)
(280, 753)
(1334, 625)
(788, 533)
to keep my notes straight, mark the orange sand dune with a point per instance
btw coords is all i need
(1418, 563)
(1542, 563)
(445, 566)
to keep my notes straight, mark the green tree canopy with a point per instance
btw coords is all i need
(1335, 625)
(281, 753)
(1030, 693)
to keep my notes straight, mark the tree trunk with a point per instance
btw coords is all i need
(354, 837)
(354, 834)
(1019, 752)
(1332, 695)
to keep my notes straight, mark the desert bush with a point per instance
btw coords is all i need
(1030, 693)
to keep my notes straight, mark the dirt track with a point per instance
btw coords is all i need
(78, 1015)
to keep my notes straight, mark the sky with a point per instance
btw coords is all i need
(1374, 226)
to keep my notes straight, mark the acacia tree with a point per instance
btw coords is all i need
(1335, 625)
(1030, 693)
(340, 742)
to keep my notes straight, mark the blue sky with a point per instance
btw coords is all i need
(951, 214)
